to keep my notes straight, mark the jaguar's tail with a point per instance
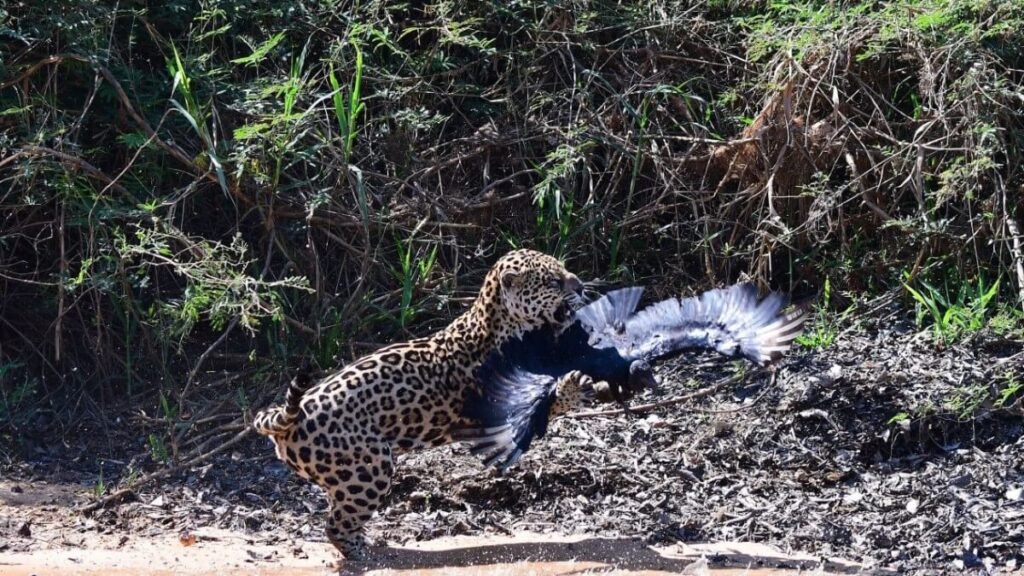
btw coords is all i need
(277, 420)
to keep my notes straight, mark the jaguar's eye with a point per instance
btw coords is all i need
(555, 283)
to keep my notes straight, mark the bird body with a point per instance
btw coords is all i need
(610, 341)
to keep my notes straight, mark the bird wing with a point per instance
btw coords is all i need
(516, 384)
(510, 408)
(730, 320)
(605, 318)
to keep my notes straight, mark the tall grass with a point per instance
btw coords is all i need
(326, 179)
(348, 107)
(955, 311)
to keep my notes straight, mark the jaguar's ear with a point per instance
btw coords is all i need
(510, 279)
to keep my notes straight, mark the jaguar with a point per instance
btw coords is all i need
(344, 431)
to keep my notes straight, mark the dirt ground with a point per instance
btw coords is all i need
(792, 471)
(213, 551)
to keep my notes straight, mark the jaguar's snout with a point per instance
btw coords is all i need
(573, 284)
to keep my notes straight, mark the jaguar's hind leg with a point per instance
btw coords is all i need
(355, 485)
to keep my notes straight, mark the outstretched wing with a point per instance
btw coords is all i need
(730, 320)
(510, 410)
(605, 319)
(517, 382)
(589, 344)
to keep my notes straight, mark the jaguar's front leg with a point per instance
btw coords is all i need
(569, 392)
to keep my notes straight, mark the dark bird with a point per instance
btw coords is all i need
(543, 374)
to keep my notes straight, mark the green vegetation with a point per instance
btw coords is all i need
(1008, 321)
(15, 393)
(964, 403)
(958, 314)
(898, 418)
(823, 329)
(100, 488)
(412, 273)
(158, 448)
(1010, 392)
(199, 188)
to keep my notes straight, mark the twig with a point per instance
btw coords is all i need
(1015, 249)
(58, 328)
(202, 357)
(670, 401)
(499, 182)
(85, 166)
(1009, 359)
(856, 177)
(747, 406)
(172, 149)
(195, 370)
(32, 346)
(202, 441)
(119, 495)
(55, 59)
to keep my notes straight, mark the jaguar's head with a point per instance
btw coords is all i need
(535, 289)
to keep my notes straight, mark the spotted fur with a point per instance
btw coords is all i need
(569, 391)
(343, 432)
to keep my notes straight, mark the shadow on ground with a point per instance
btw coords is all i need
(585, 554)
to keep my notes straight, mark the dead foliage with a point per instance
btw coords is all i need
(213, 191)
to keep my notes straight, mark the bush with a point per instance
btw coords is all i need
(174, 172)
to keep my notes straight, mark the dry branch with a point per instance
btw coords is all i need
(121, 494)
(702, 393)
(68, 159)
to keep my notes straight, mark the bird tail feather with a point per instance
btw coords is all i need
(506, 414)
(495, 446)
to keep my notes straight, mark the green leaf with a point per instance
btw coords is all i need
(251, 130)
(133, 139)
(898, 417)
(15, 110)
(261, 51)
